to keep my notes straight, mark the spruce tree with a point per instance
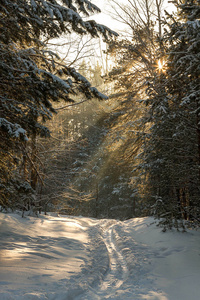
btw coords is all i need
(171, 155)
(31, 79)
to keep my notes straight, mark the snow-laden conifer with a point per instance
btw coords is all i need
(32, 77)
(172, 151)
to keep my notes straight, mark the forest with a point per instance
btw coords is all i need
(98, 122)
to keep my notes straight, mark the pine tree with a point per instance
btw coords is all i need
(172, 152)
(32, 78)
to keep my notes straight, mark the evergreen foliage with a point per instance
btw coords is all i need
(171, 152)
(140, 157)
(157, 79)
(31, 78)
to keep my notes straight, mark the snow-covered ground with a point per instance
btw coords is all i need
(63, 258)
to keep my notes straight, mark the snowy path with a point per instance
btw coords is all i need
(128, 267)
(118, 271)
(76, 258)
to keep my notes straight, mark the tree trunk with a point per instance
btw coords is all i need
(34, 176)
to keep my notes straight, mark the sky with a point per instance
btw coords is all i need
(105, 17)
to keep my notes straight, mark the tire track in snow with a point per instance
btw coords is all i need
(118, 271)
(119, 266)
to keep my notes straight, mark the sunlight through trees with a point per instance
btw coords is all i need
(135, 153)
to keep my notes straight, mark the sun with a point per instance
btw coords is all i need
(161, 65)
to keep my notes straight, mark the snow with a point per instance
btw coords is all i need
(14, 130)
(98, 94)
(63, 257)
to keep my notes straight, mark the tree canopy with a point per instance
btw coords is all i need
(145, 148)
(32, 76)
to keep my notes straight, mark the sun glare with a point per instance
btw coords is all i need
(161, 65)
